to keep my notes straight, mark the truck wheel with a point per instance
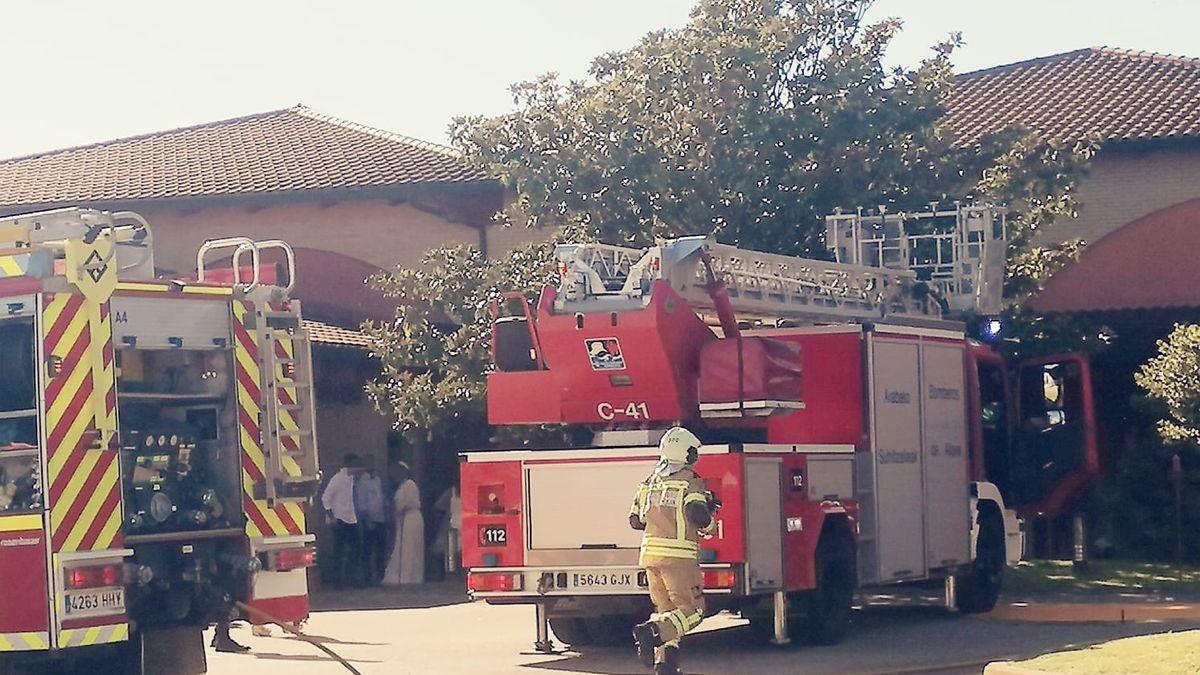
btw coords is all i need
(823, 615)
(126, 658)
(569, 629)
(610, 631)
(978, 589)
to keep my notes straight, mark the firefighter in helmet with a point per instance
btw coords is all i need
(674, 509)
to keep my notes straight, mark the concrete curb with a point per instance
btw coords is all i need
(1093, 612)
(1010, 668)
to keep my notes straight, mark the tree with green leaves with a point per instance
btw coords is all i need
(1172, 380)
(750, 123)
(435, 353)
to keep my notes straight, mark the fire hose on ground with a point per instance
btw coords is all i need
(291, 628)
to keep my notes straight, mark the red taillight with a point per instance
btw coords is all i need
(491, 499)
(54, 366)
(77, 578)
(111, 575)
(289, 370)
(495, 581)
(95, 577)
(288, 559)
(720, 579)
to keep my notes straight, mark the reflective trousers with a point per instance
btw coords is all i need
(677, 590)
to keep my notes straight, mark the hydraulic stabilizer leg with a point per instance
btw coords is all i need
(543, 643)
(781, 620)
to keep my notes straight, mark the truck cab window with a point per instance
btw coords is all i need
(17, 376)
(1044, 397)
(20, 478)
(993, 403)
(1052, 441)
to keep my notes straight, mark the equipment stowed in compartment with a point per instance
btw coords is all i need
(168, 488)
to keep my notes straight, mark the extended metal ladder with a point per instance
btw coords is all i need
(288, 428)
(920, 264)
(285, 365)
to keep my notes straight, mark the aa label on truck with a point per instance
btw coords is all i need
(94, 602)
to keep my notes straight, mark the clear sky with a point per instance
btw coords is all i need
(79, 71)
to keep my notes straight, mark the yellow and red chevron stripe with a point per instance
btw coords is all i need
(13, 265)
(84, 480)
(262, 520)
(285, 350)
(96, 635)
(24, 642)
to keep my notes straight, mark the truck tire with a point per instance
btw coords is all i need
(978, 589)
(569, 630)
(823, 614)
(610, 630)
(123, 659)
(820, 616)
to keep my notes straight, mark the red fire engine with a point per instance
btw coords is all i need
(156, 444)
(855, 434)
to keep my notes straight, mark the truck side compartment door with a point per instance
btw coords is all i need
(1055, 452)
(25, 595)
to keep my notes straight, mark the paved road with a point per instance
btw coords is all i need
(428, 636)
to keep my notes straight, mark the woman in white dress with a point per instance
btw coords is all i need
(407, 562)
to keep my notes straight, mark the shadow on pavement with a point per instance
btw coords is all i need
(884, 639)
(317, 657)
(417, 596)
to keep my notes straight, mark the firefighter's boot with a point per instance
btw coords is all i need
(647, 638)
(222, 642)
(670, 663)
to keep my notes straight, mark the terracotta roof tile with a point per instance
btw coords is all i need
(334, 336)
(278, 151)
(1114, 94)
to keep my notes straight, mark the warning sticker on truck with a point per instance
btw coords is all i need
(605, 354)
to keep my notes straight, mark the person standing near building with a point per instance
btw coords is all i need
(673, 508)
(340, 513)
(372, 516)
(407, 562)
(447, 545)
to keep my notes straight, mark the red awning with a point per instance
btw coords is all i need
(332, 287)
(1152, 262)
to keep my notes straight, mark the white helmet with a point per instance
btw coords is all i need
(675, 447)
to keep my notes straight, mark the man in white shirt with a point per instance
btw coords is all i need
(340, 514)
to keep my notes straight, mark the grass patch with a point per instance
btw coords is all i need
(1103, 576)
(1148, 654)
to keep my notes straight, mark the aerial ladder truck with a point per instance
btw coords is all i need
(157, 446)
(857, 436)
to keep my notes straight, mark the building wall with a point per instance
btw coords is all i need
(353, 427)
(502, 239)
(1124, 185)
(375, 231)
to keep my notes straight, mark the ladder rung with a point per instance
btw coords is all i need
(295, 432)
(294, 336)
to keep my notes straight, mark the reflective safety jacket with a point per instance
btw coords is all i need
(674, 511)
